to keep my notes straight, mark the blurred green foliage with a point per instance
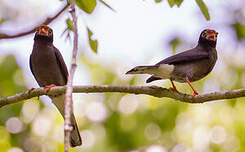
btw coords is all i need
(11, 82)
(174, 43)
(240, 30)
(158, 1)
(132, 122)
(127, 132)
(2, 20)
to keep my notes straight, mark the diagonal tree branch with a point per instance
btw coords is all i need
(147, 90)
(46, 22)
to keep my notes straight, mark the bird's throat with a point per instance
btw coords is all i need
(206, 43)
(43, 39)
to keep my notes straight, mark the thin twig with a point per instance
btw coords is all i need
(46, 22)
(68, 96)
(147, 90)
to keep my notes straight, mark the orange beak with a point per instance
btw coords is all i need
(212, 35)
(43, 31)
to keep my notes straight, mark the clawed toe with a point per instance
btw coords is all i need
(194, 94)
(47, 88)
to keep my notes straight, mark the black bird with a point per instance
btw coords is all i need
(188, 66)
(49, 69)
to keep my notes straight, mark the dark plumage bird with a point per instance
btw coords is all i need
(188, 66)
(49, 69)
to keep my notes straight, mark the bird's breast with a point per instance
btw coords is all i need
(194, 71)
(46, 68)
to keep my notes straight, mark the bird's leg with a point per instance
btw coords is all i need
(47, 88)
(195, 92)
(174, 87)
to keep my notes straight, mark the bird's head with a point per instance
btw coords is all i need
(208, 37)
(44, 33)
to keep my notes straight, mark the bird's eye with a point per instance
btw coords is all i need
(204, 34)
(50, 32)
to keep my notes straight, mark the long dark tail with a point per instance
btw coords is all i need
(142, 69)
(152, 78)
(75, 138)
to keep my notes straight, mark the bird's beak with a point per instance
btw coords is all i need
(43, 31)
(212, 36)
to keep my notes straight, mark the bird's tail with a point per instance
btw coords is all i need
(142, 70)
(75, 138)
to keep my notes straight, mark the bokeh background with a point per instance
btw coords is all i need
(137, 32)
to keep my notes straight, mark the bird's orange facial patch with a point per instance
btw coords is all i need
(43, 30)
(211, 35)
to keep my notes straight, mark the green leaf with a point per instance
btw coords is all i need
(171, 3)
(158, 1)
(178, 2)
(69, 24)
(240, 30)
(103, 2)
(175, 2)
(69, 28)
(174, 43)
(93, 43)
(87, 6)
(203, 8)
(2, 20)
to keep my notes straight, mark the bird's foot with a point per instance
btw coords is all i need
(174, 87)
(47, 88)
(194, 94)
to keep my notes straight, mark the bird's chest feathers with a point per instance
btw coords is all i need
(196, 69)
(46, 56)
(45, 66)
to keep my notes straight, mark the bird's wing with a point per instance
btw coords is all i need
(61, 64)
(30, 64)
(187, 56)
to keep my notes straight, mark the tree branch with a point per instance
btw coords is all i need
(68, 95)
(46, 22)
(147, 90)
